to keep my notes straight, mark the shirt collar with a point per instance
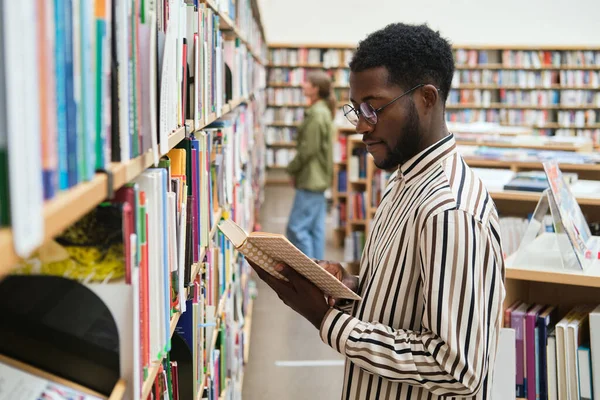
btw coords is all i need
(424, 161)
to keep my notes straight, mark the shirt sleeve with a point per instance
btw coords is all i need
(463, 292)
(309, 146)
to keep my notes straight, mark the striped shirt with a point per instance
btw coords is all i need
(432, 287)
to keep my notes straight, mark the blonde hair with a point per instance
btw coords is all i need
(322, 81)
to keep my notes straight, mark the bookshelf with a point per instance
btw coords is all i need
(139, 136)
(287, 69)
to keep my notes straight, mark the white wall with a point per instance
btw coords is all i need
(502, 22)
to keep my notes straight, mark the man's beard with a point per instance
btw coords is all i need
(408, 143)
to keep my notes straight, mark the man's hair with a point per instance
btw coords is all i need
(412, 54)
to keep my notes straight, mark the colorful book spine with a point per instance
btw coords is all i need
(88, 105)
(61, 97)
(71, 105)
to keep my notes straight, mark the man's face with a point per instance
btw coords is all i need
(395, 137)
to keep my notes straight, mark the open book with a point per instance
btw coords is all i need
(268, 249)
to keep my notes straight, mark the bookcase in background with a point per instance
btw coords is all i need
(288, 68)
(187, 100)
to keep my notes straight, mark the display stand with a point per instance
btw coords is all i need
(571, 246)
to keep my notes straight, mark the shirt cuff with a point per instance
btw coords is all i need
(336, 328)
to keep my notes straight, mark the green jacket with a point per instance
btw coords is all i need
(312, 168)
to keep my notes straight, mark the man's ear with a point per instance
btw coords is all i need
(429, 97)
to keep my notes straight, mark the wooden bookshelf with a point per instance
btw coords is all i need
(582, 147)
(518, 87)
(520, 68)
(500, 106)
(227, 24)
(71, 205)
(280, 124)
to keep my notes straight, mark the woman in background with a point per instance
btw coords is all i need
(312, 168)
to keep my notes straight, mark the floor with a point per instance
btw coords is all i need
(287, 359)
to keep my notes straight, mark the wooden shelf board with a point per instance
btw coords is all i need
(320, 66)
(588, 279)
(515, 68)
(474, 162)
(458, 46)
(282, 144)
(534, 197)
(291, 105)
(119, 390)
(547, 146)
(358, 182)
(227, 24)
(71, 205)
(276, 167)
(357, 222)
(284, 124)
(273, 181)
(499, 106)
(519, 87)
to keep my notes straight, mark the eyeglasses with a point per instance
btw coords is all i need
(368, 111)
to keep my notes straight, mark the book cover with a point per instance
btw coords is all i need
(545, 322)
(595, 350)
(267, 250)
(73, 134)
(47, 112)
(518, 324)
(532, 352)
(61, 98)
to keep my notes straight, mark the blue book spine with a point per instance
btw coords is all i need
(100, 142)
(70, 97)
(542, 343)
(61, 101)
(89, 106)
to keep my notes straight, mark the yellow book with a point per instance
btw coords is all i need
(177, 157)
(268, 249)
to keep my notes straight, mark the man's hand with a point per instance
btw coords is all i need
(336, 269)
(299, 294)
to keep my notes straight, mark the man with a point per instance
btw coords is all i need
(432, 273)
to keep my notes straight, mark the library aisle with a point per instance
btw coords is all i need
(286, 354)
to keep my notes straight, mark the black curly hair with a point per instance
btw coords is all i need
(412, 54)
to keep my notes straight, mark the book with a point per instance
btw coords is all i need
(267, 250)
(584, 368)
(595, 349)
(531, 351)
(552, 366)
(21, 91)
(545, 321)
(518, 324)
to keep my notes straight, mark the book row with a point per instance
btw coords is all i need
(541, 98)
(357, 164)
(298, 76)
(328, 58)
(280, 135)
(280, 157)
(116, 78)
(154, 253)
(528, 58)
(556, 358)
(354, 243)
(285, 115)
(527, 79)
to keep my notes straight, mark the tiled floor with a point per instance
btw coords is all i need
(281, 335)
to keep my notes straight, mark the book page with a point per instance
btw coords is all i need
(270, 250)
(16, 384)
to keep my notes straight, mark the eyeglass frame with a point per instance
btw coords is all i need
(378, 110)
